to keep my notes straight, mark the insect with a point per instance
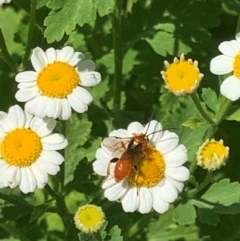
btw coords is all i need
(128, 152)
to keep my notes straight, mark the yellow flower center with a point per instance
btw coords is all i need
(21, 147)
(57, 80)
(212, 154)
(182, 76)
(89, 218)
(150, 169)
(236, 66)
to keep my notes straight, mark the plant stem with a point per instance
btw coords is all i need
(205, 182)
(200, 109)
(5, 54)
(224, 105)
(118, 59)
(30, 31)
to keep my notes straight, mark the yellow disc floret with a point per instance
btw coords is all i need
(182, 76)
(212, 154)
(21, 147)
(89, 218)
(58, 80)
(150, 169)
(236, 68)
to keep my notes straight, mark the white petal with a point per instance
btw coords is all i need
(83, 95)
(39, 59)
(16, 117)
(51, 55)
(12, 177)
(28, 181)
(168, 142)
(41, 106)
(43, 127)
(135, 127)
(65, 54)
(168, 191)
(146, 200)
(159, 205)
(179, 173)
(117, 191)
(102, 153)
(26, 85)
(33, 105)
(54, 107)
(221, 65)
(24, 95)
(108, 182)
(39, 173)
(53, 157)
(229, 48)
(54, 142)
(230, 88)
(66, 110)
(178, 185)
(100, 166)
(153, 130)
(130, 201)
(78, 56)
(77, 104)
(48, 166)
(120, 133)
(90, 78)
(177, 157)
(86, 66)
(26, 76)
(28, 120)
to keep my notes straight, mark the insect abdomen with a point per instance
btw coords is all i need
(122, 170)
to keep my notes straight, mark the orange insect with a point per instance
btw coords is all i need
(128, 151)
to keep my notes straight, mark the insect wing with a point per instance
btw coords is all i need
(116, 145)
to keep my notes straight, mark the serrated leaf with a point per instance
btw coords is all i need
(234, 113)
(184, 214)
(115, 233)
(87, 237)
(77, 132)
(193, 123)
(104, 6)
(210, 98)
(65, 20)
(215, 193)
(232, 5)
(38, 211)
(208, 216)
(163, 44)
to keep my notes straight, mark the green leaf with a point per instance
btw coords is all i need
(38, 211)
(234, 113)
(184, 214)
(208, 216)
(88, 237)
(65, 20)
(215, 193)
(193, 122)
(104, 7)
(232, 5)
(163, 44)
(210, 98)
(77, 133)
(115, 233)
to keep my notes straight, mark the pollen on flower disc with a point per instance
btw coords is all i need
(58, 80)
(150, 169)
(21, 147)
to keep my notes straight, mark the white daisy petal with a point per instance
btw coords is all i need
(26, 77)
(108, 182)
(130, 200)
(53, 157)
(89, 78)
(179, 173)
(100, 167)
(40, 174)
(178, 185)
(159, 205)
(39, 59)
(16, 117)
(51, 55)
(168, 191)
(146, 201)
(86, 66)
(116, 191)
(77, 104)
(83, 95)
(78, 56)
(153, 130)
(28, 181)
(11, 177)
(54, 141)
(135, 127)
(230, 88)
(177, 157)
(65, 54)
(26, 94)
(221, 65)
(66, 110)
(119, 133)
(47, 166)
(230, 48)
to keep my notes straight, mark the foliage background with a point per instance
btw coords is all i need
(151, 31)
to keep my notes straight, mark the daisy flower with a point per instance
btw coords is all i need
(28, 150)
(56, 84)
(157, 176)
(182, 76)
(228, 62)
(89, 218)
(4, 1)
(212, 154)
